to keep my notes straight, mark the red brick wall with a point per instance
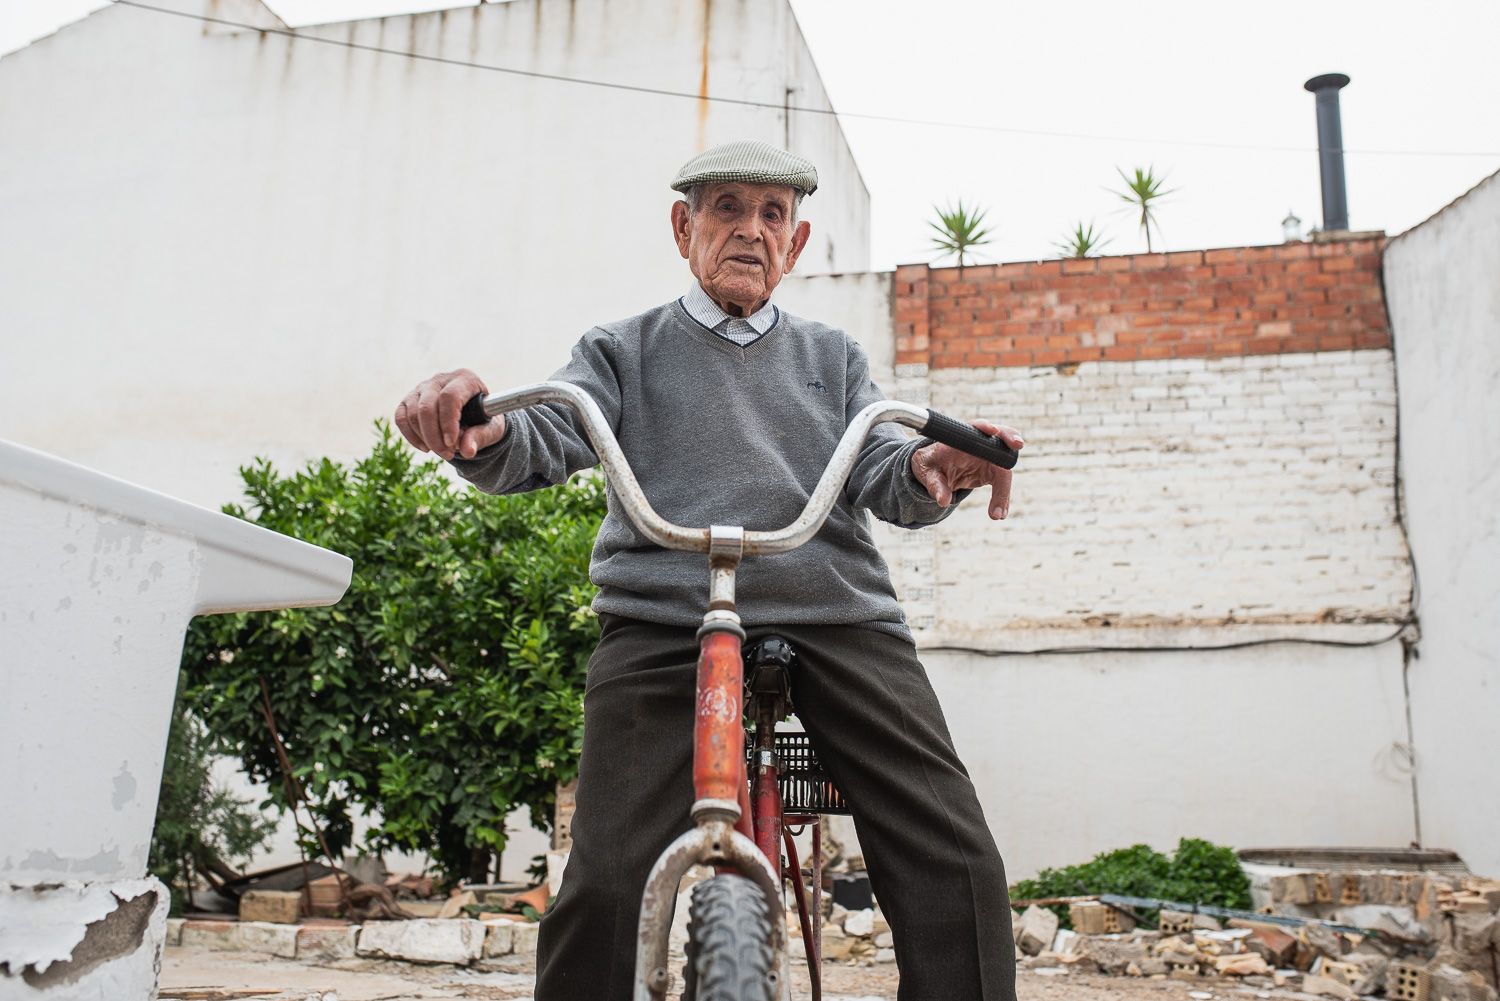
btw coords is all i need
(1244, 300)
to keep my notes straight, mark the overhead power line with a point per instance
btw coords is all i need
(778, 106)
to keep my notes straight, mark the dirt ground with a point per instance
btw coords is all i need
(201, 975)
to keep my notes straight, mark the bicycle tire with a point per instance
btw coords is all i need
(729, 943)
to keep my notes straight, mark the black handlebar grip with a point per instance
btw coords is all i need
(473, 415)
(967, 438)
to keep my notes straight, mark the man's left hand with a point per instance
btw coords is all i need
(942, 469)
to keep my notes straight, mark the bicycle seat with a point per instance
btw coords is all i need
(768, 665)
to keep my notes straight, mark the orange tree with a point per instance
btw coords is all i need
(445, 689)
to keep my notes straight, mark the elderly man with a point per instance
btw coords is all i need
(728, 409)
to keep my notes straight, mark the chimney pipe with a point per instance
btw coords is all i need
(1331, 148)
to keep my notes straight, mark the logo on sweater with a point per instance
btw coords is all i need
(818, 385)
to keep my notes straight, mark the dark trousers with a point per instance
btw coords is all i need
(875, 724)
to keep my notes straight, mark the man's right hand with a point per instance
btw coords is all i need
(428, 416)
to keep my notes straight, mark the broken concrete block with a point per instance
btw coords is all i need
(861, 922)
(278, 906)
(1109, 954)
(326, 941)
(1324, 939)
(458, 941)
(1036, 931)
(1442, 982)
(1389, 919)
(1327, 987)
(267, 937)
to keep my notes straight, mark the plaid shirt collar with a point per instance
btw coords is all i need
(707, 312)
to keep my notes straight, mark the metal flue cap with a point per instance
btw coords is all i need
(1337, 81)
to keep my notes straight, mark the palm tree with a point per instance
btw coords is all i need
(1081, 242)
(1143, 191)
(959, 230)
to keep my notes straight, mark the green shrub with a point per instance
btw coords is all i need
(1197, 873)
(446, 687)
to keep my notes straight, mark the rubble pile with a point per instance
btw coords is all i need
(1407, 936)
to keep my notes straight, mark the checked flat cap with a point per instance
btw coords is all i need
(749, 162)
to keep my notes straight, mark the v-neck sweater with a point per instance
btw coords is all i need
(720, 434)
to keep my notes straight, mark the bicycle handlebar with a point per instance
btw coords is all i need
(480, 409)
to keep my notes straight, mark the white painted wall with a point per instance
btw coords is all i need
(1442, 282)
(228, 244)
(1077, 754)
(1185, 503)
(222, 244)
(1197, 493)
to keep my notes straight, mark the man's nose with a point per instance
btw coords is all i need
(749, 228)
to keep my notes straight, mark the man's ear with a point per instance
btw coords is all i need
(799, 240)
(680, 227)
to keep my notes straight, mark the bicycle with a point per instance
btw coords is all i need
(737, 934)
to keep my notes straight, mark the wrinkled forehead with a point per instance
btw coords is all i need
(782, 195)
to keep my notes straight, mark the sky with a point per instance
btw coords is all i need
(1039, 105)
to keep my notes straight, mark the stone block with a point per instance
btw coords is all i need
(174, 931)
(523, 939)
(278, 906)
(266, 937)
(1110, 955)
(207, 934)
(499, 939)
(861, 922)
(326, 941)
(1036, 931)
(884, 940)
(885, 955)
(457, 941)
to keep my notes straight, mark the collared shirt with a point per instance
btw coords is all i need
(732, 328)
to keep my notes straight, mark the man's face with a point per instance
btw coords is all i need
(740, 241)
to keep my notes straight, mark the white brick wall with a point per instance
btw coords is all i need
(1179, 493)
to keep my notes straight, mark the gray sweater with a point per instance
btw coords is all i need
(722, 434)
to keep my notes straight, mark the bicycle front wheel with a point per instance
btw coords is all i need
(729, 943)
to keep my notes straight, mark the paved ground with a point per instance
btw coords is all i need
(200, 975)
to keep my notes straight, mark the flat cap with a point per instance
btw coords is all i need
(749, 162)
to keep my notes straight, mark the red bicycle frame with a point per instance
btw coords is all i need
(736, 826)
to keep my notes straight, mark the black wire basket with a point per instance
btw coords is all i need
(805, 786)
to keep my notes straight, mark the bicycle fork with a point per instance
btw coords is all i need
(721, 834)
